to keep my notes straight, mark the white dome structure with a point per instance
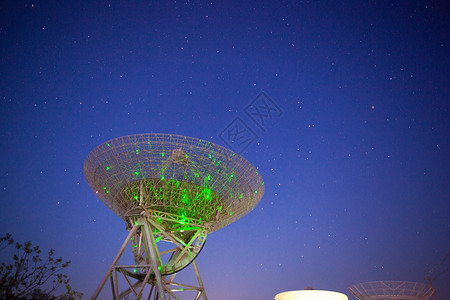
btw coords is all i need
(311, 295)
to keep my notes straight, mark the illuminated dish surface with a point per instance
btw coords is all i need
(178, 175)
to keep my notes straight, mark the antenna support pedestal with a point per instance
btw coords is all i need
(154, 271)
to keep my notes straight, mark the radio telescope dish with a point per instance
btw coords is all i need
(168, 188)
(390, 290)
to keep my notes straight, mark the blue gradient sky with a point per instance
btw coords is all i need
(356, 168)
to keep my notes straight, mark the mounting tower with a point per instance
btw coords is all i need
(171, 191)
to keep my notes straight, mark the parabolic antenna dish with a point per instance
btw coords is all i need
(186, 177)
(389, 290)
(172, 191)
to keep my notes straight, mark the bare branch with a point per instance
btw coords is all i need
(29, 276)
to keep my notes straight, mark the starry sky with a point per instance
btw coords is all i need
(354, 151)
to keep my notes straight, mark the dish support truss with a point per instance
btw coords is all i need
(152, 266)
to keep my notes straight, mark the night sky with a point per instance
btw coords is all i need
(354, 150)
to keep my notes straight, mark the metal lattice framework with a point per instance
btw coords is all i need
(390, 290)
(168, 188)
